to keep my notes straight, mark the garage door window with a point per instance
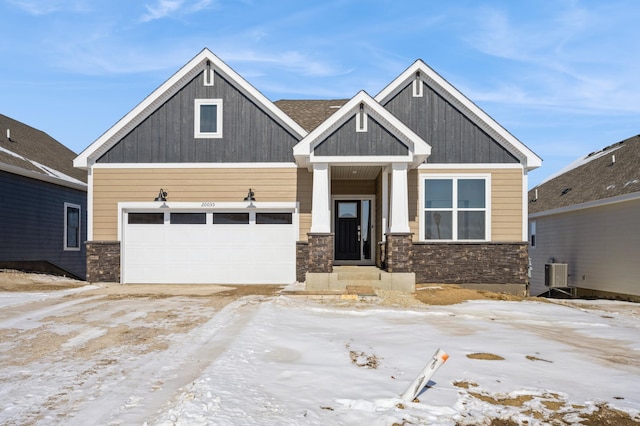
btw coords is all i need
(230, 218)
(146, 218)
(188, 218)
(274, 218)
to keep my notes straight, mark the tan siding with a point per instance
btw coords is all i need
(506, 201)
(304, 195)
(222, 185)
(413, 186)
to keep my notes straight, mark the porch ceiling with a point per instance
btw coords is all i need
(355, 172)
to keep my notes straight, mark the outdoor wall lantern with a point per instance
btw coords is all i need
(162, 195)
(250, 198)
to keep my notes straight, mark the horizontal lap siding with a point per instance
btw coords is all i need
(32, 223)
(189, 185)
(598, 244)
(506, 202)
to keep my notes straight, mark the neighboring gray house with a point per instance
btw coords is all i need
(588, 217)
(43, 203)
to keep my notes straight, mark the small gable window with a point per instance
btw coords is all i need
(208, 118)
(71, 226)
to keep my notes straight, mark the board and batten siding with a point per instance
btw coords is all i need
(452, 136)
(249, 134)
(32, 223)
(347, 141)
(111, 186)
(599, 244)
(506, 201)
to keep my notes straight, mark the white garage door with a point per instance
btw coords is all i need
(209, 248)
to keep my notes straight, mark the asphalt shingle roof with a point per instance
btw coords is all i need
(28, 145)
(595, 177)
(310, 113)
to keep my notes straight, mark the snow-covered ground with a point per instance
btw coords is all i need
(84, 359)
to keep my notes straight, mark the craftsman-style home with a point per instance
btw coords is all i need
(208, 181)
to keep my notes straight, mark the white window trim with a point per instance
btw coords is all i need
(417, 87)
(207, 135)
(64, 239)
(488, 211)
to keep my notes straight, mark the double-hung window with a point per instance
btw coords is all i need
(208, 118)
(71, 226)
(455, 208)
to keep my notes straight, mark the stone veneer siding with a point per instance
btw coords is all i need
(302, 260)
(471, 263)
(320, 253)
(103, 261)
(399, 252)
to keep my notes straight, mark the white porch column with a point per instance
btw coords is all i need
(320, 208)
(399, 199)
(385, 204)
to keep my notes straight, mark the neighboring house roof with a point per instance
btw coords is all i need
(310, 113)
(612, 172)
(201, 62)
(418, 149)
(481, 119)
(33, 153)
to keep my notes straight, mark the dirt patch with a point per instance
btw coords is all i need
(11, 280)
(485, 356)
(449, 294)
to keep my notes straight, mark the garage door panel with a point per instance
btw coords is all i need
(209, 253)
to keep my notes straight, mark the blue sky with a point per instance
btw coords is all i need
(562, 75)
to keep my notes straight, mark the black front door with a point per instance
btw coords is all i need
(347, 230)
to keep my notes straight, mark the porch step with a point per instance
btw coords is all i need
(345, 277)
(357, 273)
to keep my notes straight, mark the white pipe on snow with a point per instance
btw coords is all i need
(425, 375)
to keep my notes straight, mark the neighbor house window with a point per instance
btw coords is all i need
(71, 226)
(208, 118)
(455, 208)
(532, 233)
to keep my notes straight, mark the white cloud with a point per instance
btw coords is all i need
(166, 8)
(39, 7)
(161, 9)
(559, 58)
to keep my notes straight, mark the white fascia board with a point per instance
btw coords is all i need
(75, 184)
(419, 150)
(465, 166)
(591, 204)
(359, 160)
(465, 105)
(168, 89)
(209, 205)
(195, 166)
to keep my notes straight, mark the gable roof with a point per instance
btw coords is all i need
(33, 153)
(310, 113)
(441, 86)
(170, 87)
(594, 177)
(419, 150)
